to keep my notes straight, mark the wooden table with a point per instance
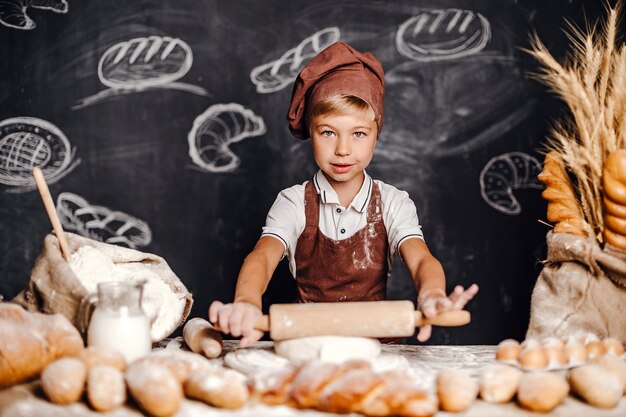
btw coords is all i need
(26, 400)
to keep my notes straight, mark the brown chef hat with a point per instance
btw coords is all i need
(338, 69)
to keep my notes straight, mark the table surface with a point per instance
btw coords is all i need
(425, 361)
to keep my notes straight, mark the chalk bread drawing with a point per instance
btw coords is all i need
(443, 34)
(278, 74)
(101, 223)
(13, 12)
(216, 129)
(505, 173)
(28, 142)
(143, 63)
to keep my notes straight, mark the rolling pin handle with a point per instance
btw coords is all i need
(446, 319)
(263, 324)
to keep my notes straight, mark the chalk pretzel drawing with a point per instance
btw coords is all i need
(443, 34)
(142, 63)
(28, 142)
(216, 129)
(504, 174)
(13, 12)
(278, 74)
(101, 223)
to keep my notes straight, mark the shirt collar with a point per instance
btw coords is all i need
(329, 195)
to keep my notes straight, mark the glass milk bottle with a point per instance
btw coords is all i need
(119, 322)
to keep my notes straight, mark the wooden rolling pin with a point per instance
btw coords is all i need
(357, 318)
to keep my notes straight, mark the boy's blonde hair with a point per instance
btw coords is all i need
(340, 104)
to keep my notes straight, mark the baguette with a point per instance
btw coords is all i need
(350, 387)
(31, 341)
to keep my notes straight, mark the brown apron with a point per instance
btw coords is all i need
(352, 269)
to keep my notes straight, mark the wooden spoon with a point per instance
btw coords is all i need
(51, 210)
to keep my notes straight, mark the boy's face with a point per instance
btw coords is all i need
(343, 145)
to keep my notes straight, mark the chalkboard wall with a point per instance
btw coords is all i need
(160, 125)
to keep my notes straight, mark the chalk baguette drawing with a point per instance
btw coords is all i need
(216, 129)
(143, 63)
(504, 174)
(443, 34)
(276, 75)
(13, 12)
(28, 142)
(101, 223)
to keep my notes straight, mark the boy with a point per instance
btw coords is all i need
(340, 230)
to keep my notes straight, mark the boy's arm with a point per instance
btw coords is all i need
(257, 270)
(426, 271)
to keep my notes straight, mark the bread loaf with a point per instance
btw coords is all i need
(541, 391)
(106, 388)
(615, 365)
(100, 355)
(614, 199)
(63, 381)
(457, 390)
(31, 341)
(201, 337)
(563, 207)
(218, 387)
(341, 388)
(499, 383)
(596, 385)
(154, 387)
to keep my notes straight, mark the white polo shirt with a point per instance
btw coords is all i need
(286, 219)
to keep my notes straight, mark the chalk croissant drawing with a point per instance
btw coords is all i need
(101, 223)
(443, 34)
(216, 129)
(28, 142)
(144, 63)
(278, 74)
(13, 12)
(504, 174)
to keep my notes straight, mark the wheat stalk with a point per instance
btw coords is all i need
(592, 83)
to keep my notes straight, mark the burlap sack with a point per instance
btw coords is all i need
(581, 289)
(55, 288)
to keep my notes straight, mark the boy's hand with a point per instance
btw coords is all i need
(433, 302)
(238, 319)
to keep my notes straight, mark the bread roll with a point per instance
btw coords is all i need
(201, 337)
(508, 350)
(154, 387)
(595, 348)
(575, 352)
(541, 391)
(106, 388)
(499, 383)
(456, 389)
(100, 355)
(615, 365)
(596, 385)
(613, 346)
(533, 357)
(63, 381)
(219, 387)
(31, 341)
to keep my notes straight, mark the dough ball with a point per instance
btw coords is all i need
(596, 385)
(499, 383)
(328, 348)
(508, 350)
